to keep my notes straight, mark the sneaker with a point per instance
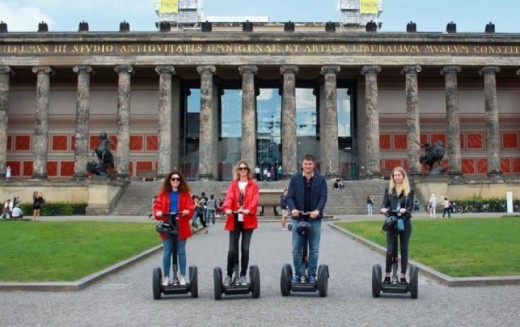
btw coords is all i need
(182, 280)
(403, 281)
(242, 280)
(166, 281)
(295, 279)
(387, 280)
(228, 280)
(284, 228)
(312, 279)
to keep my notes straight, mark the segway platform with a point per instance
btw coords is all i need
(175, 288)
(287, 286)
(252, 287)
(394, 286)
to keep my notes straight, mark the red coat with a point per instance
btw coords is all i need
(162, 203)
(250, 202)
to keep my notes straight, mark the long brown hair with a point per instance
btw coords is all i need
(184, 187)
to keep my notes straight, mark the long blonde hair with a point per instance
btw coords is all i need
(405, 183)
(236, 176)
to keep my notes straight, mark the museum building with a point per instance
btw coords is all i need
(361, 101)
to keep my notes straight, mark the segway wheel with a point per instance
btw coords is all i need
(254, 277)
(156, 283)
(194, 287)
(289, 227)
(414, 281)
(376, 280)
(217, 281)
(323, 280)
(285, 280)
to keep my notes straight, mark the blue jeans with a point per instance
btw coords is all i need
(167, 256)
(314, 248)
(210, 215)
(369, 208)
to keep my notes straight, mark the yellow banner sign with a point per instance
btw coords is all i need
(368, 6)
(169, 7)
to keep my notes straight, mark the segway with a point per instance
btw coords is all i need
(394, 286)
(173, 287)
(253, 286)
(322, 285)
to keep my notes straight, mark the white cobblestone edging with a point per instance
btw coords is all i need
(434, 274)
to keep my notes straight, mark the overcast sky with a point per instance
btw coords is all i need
(105, 15)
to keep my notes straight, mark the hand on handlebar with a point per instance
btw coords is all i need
(384, 210)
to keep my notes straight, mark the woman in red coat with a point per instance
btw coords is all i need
(174, 196)
(241, 195)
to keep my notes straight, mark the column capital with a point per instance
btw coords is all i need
(165, 69)
(489, 70)
(82, 69)
(43, 69)
(447, 70)
(247, 69)
(206, 69)
(4, 69)
(371, 69)
(411, 69)
(330, 69)
(289, 69)
(124, 69)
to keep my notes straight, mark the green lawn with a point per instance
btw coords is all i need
(68, 251)
(469, 247)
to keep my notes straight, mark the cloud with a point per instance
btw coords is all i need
(22, 19)
(265, 95)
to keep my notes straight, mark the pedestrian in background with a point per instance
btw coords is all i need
(432, 205)
(38, 202)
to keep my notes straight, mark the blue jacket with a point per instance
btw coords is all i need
(295, 195)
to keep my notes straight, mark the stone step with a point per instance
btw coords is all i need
(137, 198)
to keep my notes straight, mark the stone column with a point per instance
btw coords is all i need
(207, 155)
(452, 120)
(123, 120)
(413, 126)
(373, 155)
(289, 143)
(492, 127)
(248, 152)
(5, 72)
(176, 124)
(81, 149)
(40, 141)
(329, 154)
(165, 120)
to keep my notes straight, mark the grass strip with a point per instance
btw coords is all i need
(469, 247)
(68, 251)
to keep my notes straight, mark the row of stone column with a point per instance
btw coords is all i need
(373, 169)
(168, 119)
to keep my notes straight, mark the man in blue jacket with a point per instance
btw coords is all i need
(307, 194)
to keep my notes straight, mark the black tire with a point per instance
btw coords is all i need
(458, 209)
(469, 209)
(414, 281)
(157, 283)
(217, 282)
(194, 280)
(323, 280)
(254, 277)
(285, 280)
(376, 280)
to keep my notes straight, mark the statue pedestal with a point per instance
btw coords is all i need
(103, 194)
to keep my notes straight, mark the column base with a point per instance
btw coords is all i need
(39, 177)
(374, 175)
(455, 174)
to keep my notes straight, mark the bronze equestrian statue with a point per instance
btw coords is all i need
(104, 165)
(433, 154)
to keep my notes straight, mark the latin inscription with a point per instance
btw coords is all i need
(255, 49)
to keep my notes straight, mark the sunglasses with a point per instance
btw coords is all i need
(175, 179)
(243, 168)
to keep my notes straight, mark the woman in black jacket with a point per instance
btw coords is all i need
(398, 202)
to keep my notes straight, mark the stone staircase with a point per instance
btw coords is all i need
(138, 196)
